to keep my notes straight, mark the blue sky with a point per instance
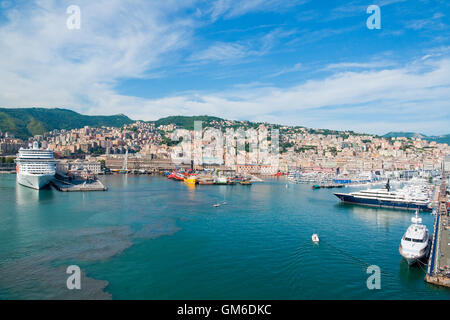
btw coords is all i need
(299, 62)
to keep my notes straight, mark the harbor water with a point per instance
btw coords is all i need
(148, 237)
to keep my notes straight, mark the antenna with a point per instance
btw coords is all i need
(388, 186)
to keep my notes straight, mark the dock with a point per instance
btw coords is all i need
(78, 186)
(438, 271)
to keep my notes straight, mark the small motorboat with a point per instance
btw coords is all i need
(216, 205)
(315, 238)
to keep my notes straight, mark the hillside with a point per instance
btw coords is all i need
(27, 122)
(184, 121)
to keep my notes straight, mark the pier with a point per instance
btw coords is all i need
(78, 186)
(438, 272)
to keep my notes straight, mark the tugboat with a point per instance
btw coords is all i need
(415, 244)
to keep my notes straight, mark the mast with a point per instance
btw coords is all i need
(125, 161)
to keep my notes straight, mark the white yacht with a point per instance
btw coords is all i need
(408, 198)
(415, 243)
(35, 167)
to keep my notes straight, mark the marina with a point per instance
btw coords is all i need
(149, 237)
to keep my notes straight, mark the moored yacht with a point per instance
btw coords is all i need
(415, 242)
(407, 198)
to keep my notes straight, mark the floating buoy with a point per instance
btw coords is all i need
(315, 238)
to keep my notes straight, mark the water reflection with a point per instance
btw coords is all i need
(26, 196)
(379, 216)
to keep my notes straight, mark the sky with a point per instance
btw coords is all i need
(310, 63)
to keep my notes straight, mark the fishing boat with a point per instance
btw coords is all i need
(179, 177)
(246, 182)
(205, 181)
(191, 180)
(172, 175)
(220, 180)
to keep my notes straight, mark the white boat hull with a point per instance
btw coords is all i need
(34, 181)
(414, 258)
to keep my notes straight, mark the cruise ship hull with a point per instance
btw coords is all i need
(34, 181)
(382, 203)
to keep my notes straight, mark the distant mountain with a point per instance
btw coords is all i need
(404, 134)
(438, 139)
(27, 122)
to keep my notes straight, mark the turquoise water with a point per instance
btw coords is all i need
(151, 238)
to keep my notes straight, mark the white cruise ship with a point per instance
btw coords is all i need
(35, 167)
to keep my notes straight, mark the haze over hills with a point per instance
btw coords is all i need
(27, 122)
(439, 139)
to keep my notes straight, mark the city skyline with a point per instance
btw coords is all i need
(293, 63)
(392, 133)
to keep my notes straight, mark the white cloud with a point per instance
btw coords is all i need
(294, 68)
(228, 52)
(44, 64)
(235, 8)
(222, 51)
(359, 65)
(407, 98)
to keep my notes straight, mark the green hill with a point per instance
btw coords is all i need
(184, 121)
(27, 122)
